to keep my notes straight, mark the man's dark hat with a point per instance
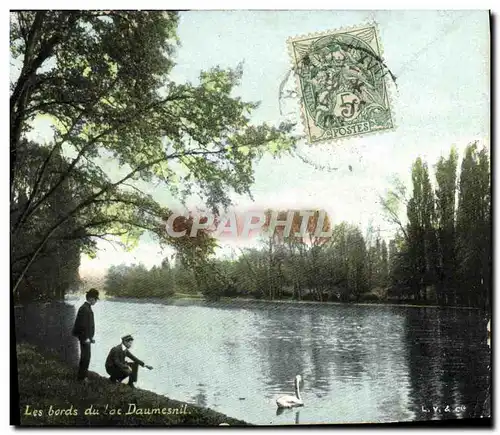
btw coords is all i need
(92, 293)
(127, 338)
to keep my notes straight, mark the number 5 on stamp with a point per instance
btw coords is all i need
(341, 80)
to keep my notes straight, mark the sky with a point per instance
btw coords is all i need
(440, 59)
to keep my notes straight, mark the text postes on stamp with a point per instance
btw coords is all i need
(341, 83)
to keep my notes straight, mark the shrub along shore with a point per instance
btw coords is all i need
(49, 395)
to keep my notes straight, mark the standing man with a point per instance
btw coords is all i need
(116, 366)
(84, 330)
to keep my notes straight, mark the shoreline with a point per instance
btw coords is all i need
(50, 395)
(225, 299)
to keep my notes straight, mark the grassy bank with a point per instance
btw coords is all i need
(226, 299)
(195, 296)
(223, 299)
(50, 395)
(350, 303)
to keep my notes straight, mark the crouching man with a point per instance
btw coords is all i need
(119, 369)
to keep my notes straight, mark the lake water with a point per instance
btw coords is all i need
(359, 363)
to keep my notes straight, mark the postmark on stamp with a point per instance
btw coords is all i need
(341, 81)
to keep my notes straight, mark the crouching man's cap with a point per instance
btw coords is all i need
(127, 338)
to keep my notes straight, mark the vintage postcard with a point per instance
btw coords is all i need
(250, 218)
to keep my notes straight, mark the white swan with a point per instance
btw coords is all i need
(291, 401)
(489, 332)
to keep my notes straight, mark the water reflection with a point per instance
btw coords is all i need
(448, 362)
(200, 399)
(280, 411)
(347, 355)
(358, 363)
(48, 326)
(284, 349)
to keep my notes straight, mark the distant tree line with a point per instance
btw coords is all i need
(158, 282)
(441, 253)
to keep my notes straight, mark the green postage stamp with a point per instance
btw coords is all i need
(341, 80)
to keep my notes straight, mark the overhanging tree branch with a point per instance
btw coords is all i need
(90, 200)
(393, 216)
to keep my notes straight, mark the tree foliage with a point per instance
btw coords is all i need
(336, 270)
(445, 255)
(101, 79)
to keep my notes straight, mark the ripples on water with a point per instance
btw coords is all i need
(359, 363)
